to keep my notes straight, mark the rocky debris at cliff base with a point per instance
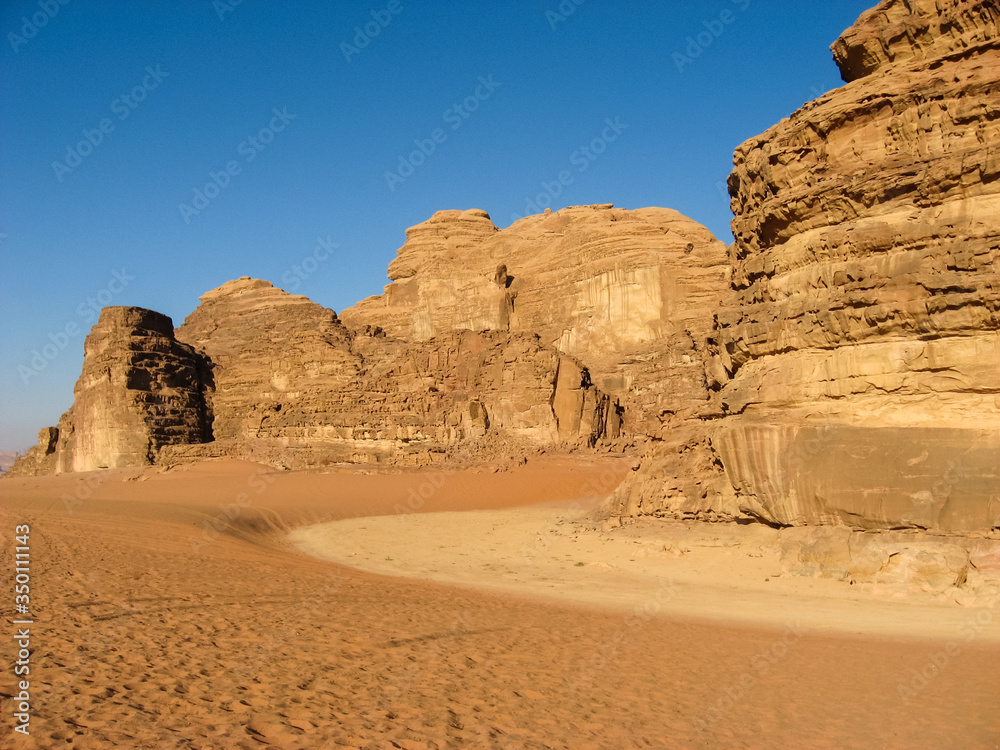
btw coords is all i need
(928, 562)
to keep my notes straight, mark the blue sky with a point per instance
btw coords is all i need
(152, 151)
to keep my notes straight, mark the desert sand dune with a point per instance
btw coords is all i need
(153, 632)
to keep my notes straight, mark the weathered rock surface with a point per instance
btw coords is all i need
(902, 31)
(269, 350)
(584, 326)
(859, 368)
(294, 385)
(893, 558)
(140, 390)
(631, 294)
(257, 372)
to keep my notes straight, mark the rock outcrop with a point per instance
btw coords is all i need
(140, 390)
(578, 328)
(294, 386)
(631, 294)
(259, 373)
(269, 351)
(860, 363)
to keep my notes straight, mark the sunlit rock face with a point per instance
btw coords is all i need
(862, 356)
(140, 390)
(582, 328)
(292, 385)
(631, 294)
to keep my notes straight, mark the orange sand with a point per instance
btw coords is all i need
(170, 611)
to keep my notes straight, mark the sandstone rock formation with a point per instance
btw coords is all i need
(260, 373)
(631, 294)
(294, 386)
(891, 558)
(860, 363)
(140, 390)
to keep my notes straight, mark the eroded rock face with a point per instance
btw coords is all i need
(892, 559)
(630, 294)
(867, 266)
(268, 350)
(295, 386)
(904, 31)
(856, 368)
(259, 373)
(140, 390)
(589, 280)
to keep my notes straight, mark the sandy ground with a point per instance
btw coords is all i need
(697, 570)
(170, 610)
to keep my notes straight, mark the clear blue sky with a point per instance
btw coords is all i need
(182, 86)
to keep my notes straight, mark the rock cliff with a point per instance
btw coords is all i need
(140, 390)
(631, 294)
(861, 359)
(260, 373)
(295, 386)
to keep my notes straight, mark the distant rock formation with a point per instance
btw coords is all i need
(294, 386)
(7, 459)
(630, 294)
(140, 390)
(860, 363)
(260, 373)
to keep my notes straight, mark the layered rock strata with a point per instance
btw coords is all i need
(860, 363)
(630, 293)
(140, 390)
(291, 381)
